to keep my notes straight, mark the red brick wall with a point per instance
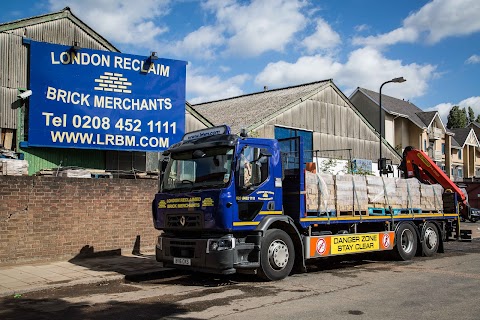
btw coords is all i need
(45, 218)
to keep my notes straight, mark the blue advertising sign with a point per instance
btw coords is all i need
(95, 99)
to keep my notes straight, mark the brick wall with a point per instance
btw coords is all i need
(45, 218)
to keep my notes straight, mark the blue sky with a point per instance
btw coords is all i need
(237, 47)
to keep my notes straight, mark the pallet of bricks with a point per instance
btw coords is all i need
(431, 199)
(320, 194)
(409, 192)
(13, 167)
(382, 195)
(351, 195)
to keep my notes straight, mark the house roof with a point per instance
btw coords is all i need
(249, 110)
(400, 107)
(475, 123)
(461, 136)
(455, 144)
(427, 117)
(64, 13)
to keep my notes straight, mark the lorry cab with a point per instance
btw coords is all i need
(214, 184)
(228, 180)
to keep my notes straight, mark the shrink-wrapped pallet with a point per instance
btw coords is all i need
(382, 192)
(13, 167)
(75, 173)
(409, 192)
(351, 193)
(320, 189)
(431, 197)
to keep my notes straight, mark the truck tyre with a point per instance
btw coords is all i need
(405, 242)
(277, 255)
(430, 239)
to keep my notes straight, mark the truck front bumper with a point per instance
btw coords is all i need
(205, 255)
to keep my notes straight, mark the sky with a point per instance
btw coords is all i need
(236, 47)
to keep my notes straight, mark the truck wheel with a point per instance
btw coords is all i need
(405, 242)
(277, 255)
(431, 239)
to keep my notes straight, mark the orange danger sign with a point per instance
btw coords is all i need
(350, 243)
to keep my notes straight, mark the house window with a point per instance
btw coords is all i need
(425, 145)
(443, 169)
(460, 172)
(460, 154)
(443, 148)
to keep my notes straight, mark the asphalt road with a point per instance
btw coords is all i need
(445, 286)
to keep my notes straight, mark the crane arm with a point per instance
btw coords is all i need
(416, 163)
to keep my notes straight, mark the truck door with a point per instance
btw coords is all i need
(256, 194)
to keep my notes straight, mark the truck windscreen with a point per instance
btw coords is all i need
(198, 169)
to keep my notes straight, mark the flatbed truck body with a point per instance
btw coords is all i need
(231, 203)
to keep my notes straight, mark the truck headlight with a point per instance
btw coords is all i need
(220, 244)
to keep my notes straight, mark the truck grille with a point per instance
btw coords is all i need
(182, 221)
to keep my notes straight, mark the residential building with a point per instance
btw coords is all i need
(404, 124)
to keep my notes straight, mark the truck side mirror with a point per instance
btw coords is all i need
(162, 167)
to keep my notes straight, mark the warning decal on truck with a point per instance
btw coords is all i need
(321, 246)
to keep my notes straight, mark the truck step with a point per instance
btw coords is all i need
(466, 235)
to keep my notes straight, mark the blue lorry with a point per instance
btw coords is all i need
(232, 203)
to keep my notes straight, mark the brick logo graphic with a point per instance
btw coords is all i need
(113, 82)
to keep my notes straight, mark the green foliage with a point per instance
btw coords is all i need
(471, 115)
(359, 170)
(327, 166)
(478, 119)
(457, 118)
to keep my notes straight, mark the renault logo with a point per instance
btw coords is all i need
(182, 221)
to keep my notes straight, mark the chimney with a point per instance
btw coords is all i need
(265, 88)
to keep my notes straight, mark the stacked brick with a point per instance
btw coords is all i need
(320, 189)
(13, 167)
(347, 194)
(382, 192)
(49, 218)
(351, 192)
(409, 191)
(431, 197)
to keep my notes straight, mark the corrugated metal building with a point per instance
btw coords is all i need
(318, 111)
(64, 28)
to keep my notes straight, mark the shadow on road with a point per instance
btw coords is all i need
(114, 261)
(40, 309)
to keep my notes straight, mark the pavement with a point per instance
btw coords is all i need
(30, 277)
(19, 279)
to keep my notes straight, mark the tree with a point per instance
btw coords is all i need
(478, 119)
(457, 118)
(471, 115)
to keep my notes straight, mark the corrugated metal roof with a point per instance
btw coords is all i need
(197, 115)
(18, 27)
(247, 110)
(397, 106)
